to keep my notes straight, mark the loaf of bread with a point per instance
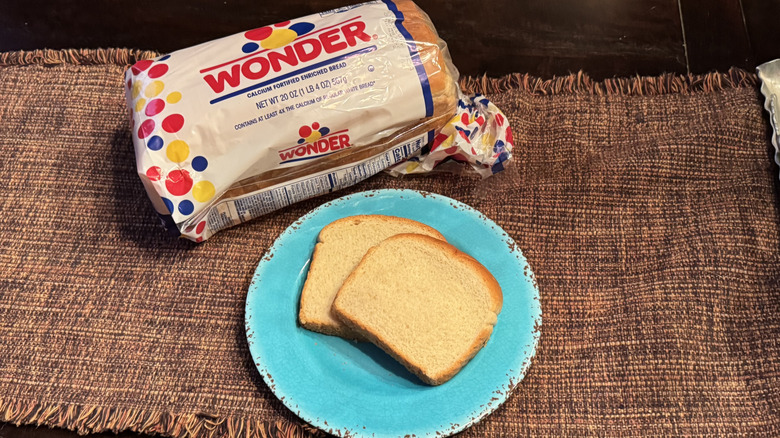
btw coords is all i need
(341, 245)
(247, 124)
(432, 315)
(442, 79)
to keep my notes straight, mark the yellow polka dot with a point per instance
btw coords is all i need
(136, 89)
(447, 143)
(410, 167)
(154, 89)
(314, 136)
(140, 104)
(279, 38)
(177, 151)
(203, 191)
(488, 140)
(173, 97)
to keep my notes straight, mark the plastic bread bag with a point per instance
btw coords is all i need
(769, 74)
(478, 137)
(244, 125)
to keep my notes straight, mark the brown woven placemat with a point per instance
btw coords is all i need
(647, 208)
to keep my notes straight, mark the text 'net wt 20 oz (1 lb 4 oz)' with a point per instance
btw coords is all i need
(241, 126)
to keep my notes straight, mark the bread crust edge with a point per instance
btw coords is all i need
(479, 342)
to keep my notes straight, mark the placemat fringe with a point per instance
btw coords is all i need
(575, 83)
(581, 83)
(122, 57)
(96, 419)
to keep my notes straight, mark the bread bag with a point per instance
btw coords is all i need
(769, 73)
(241, 126)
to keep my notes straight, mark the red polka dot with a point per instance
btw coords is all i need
(438, 140)
(140, 66)
(146, 128)
(199, 239)
(158, 70)
(173, 123)
(509, 138)
(451, 150)
(481, 120)
(473, 152)
(154, 107)
(154, 173)
(464, 118)
(282, 24)
(464, 136)
(258, 34)
(129, 83)
(500, 119)
(315, 125)
(178, 182)
(304, 132)
(201, 227)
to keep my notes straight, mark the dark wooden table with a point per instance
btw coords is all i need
(604, 38)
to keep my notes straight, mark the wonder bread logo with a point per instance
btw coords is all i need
(271, 49)
(315, 141)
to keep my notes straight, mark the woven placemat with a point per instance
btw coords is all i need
(647, 208)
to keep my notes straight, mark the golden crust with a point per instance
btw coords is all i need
(496, 302)
(428, 44)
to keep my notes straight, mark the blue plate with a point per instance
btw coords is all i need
(355, 389)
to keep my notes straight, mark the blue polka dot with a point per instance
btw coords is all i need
(301, 28)
(186, 207)
(155, 143)
(249, 47)
(164, 58)
(466, 132)
(168, 204)
(324, 131)
(200, 163)
(300, 141)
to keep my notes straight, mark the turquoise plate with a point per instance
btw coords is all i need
(355, 389)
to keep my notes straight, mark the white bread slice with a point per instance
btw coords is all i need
(427, 304)
(341, 245)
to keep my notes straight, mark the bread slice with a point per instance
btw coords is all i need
(341, 245)
(427, 304)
